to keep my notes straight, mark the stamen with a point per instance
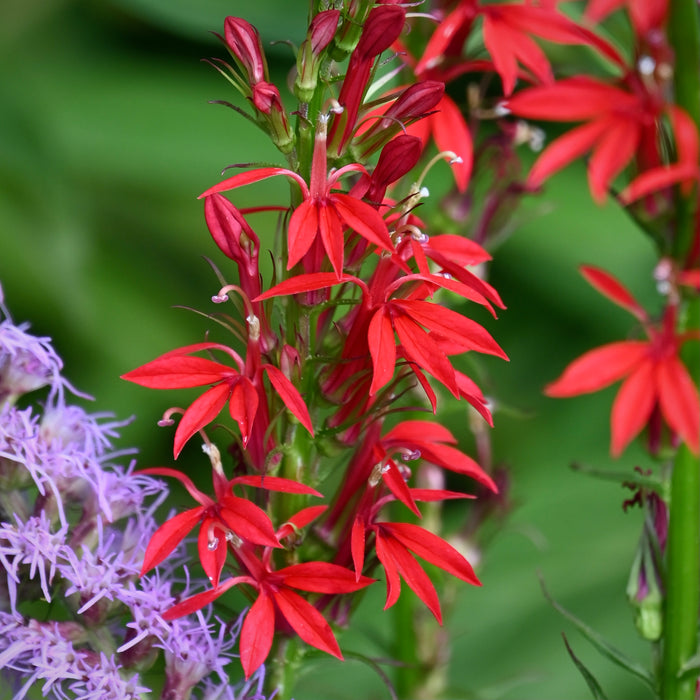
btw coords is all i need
(646, 65)
(253, 326)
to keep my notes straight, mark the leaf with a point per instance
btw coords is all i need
(603, 646)
(590, 679)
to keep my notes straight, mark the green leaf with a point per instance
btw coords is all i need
(590, 679)
(603, 646)
(690, 669)
(650, 483)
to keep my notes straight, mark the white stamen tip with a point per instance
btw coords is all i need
(424, 192)
(500, 110)
(646, 65)
(219, 298)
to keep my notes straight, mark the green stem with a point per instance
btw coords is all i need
(683, 547)
(405, 646)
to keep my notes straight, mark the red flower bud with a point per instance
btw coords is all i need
(243, 40)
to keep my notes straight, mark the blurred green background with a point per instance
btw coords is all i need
(106, 138)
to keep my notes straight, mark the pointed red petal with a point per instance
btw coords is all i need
(433, 549)
(178, 372)
(168, 536)
(300, 520)
(658, 179)
(306, 621)
(425, 352)
(357, 546)
(608, 286)
(248, 521)
(200, 413)
(289, 395)
(393, 580)
(198, 601)
(252, 176)
(422, 430)
(364, 219)
(396, 484)
(276, 483)
(417, 580)
(305, 283)
(303, 228)
(322, 577)
(632, 407)
(451, 133)
(212, 559)
(185, 480)
(243, 405)
(680, 402)
(598, 368)
(382, 348)
(256, 634)
(429, 495)
(331, 231)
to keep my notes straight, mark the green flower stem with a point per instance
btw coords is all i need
(683, 548)
(405, 646)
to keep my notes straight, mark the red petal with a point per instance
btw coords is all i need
(420, 430)
(456, 461)
(306, 283)
(393, 580)
(243, 405)
(253, 176)
(248, 521)
(276, 483)
(632, 407)
(425, 352)
(451, 325)
(168, 536)
(212, 560)
(598, 368)
(658, 179)
(178, 372)
(451, 133)
(433, 549)
(364, 219)
(615, 148)
(322, 577)
(430, 495)
(396, 484)
(382, 348)
(357, 546)
(306, 621)
(200, 413)
(303, 228)
(566, 149)
(680, 402)
(185, 480)
(417, 580)
(331, 230)
(608, 286)
(289, 395)
(256, 634)
(198, 601)
(300, 520)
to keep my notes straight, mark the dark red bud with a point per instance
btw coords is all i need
(381, 30)
(322, 29)
(230, 230)
(416, 100)
(243, 40)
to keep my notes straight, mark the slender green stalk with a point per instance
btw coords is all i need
(683, 549)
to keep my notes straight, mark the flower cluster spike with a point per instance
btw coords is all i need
(363, 318)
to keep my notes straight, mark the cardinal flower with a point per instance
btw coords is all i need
(278, 599)
(225, 518)
(177, 369)
(324, 213)
(653, 373)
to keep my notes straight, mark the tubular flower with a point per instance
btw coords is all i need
(324, 213)
(653, 373)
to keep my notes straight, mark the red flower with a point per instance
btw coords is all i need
(653, 373)
(323, 213)
(178, 370)
(620, 124)
(219, 519)
(276, 597)
(394, 543)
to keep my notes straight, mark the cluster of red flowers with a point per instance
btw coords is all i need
(324, 360)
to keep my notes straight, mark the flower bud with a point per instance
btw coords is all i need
(320, 34)
(243, 40)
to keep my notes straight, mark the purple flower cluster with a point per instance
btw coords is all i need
(75, 619)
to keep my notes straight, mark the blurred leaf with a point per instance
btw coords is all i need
(590, 679)
(603, 646)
